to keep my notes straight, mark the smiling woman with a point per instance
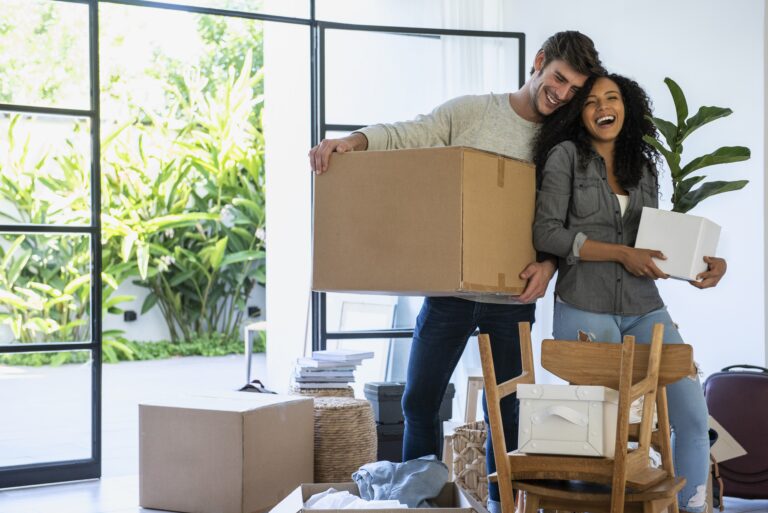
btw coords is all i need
(606, 287)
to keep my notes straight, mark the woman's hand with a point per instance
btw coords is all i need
(640, 262)
(716, 268)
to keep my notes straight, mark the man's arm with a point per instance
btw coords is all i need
(438, 128)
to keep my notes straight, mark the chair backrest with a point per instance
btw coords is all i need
(590, 363)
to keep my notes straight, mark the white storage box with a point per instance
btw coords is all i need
(567, 419)
(684, 239)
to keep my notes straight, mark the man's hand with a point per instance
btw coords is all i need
(538, 275)
(320, 155)
(716, 268)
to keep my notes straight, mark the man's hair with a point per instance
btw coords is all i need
(574, 48)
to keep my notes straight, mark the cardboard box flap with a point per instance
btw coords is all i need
(497, 213)
(237, 402)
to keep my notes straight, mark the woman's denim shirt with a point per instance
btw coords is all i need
(575, 203)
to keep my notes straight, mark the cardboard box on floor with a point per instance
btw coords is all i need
(452, 499)
(431, 221)
(233, 452)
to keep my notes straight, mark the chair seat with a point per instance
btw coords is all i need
(595, 493)
(597, 470)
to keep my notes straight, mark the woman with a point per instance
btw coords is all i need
(595, 173)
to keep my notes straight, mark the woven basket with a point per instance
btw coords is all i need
(469, 459)
(345, 438)
(322, 392)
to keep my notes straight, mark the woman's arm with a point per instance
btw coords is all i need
(553, 199)
(637, 261)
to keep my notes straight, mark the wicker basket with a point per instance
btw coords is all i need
(322, 392)
(345, 438)
(469, 459)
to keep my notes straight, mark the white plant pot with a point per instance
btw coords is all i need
(683, 238)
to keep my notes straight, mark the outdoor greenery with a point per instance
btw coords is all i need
(684, 196)
(137, 351)
(182, 178)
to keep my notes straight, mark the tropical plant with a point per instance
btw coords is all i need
(184, 198)
(45, 278)
(684, 196)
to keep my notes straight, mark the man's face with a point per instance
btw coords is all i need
(554, 85)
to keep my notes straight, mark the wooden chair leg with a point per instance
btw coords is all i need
(531, 503)
(520, 504)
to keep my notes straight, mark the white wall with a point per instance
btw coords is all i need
(288, 186)
(710, 48)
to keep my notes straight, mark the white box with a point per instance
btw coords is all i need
(684, 239)
(567, 419)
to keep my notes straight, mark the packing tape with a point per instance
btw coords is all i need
(500, 173)
(502, 281)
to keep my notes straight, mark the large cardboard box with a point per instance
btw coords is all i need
(432, 221)
(684, 239)
(452, 499)
(232, 452)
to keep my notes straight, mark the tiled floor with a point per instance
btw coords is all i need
(124, 386)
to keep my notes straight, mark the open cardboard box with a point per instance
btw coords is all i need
(683, 238)
(432, 221)
(452, 499)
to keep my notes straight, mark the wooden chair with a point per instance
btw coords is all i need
(624, 483)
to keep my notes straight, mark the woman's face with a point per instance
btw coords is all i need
(603, 111)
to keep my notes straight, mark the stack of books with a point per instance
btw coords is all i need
(331, 368)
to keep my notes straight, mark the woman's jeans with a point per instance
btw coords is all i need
(442, 329)
(687, 409)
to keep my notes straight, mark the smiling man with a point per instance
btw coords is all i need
(504, 124)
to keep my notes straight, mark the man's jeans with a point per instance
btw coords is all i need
(688, 414)
(442, 329)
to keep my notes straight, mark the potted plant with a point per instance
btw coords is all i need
(685, 239)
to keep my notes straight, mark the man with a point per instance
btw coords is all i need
(504, 124)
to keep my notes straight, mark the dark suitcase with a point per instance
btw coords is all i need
(737, 397)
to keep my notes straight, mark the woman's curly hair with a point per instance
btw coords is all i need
(631, 152)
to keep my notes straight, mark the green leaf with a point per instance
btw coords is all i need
(177, 220)
(242, 256)
(694, 197)
(149, 302)
(75, 284)
(722, 155)
(142, 256)
(667, 129)
(672, 158)
(126, 245)
(116, 300)
(11, 250)
(681, 105)
(17, 266)
(685, 185)
(217, 255)
(182, 277)
(702, 117)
